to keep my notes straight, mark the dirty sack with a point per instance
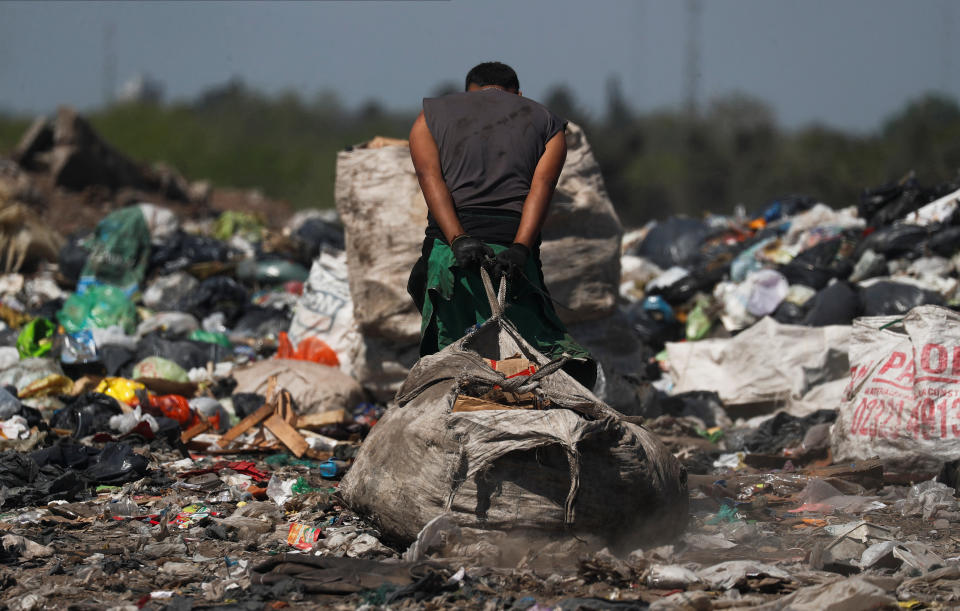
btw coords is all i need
(573, 466)
(769, 362)
(902, 402)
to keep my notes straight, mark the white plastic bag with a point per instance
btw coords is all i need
(326, 310)
(903, 400)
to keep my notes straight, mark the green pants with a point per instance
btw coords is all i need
(452, 301)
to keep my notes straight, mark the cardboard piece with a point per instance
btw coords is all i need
(473, 404)
(515, 365)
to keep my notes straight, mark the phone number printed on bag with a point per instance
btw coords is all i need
(910, 397)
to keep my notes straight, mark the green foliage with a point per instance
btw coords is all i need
(655, 164)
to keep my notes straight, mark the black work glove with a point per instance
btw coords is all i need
(469, 252)
(510, 262)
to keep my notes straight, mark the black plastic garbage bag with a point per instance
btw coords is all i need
(217, 294)
(889, 298)
(17, 469)
(817, 265)
(838, 304)
(29, 483)
(73, 256)
(87, 414)
(774, 434)
(65, 455)
(895, 241)
(789, 313)
(945, 242)
(682, 290)
(703, 404)
(883, 205)
(653, 331)
(245, 403)
(316, 234)
(181, 250)
(116, 464)
(675, 241)
(259, 321)
(186, 352)
(116, 359)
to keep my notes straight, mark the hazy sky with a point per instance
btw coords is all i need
(846, 63)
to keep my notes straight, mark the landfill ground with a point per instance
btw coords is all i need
(193, 380)
(91, 555)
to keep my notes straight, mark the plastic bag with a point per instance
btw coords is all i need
(675, 241)
(217, 294)
(87, 414)
(838, 304)
(233, 222)
(36, 338)
(167, 290)
(699, 320)
(890, 298)
(121, 389)
(176, 408)
(176, 324)
(119, 252)
(181, 250)
(101, 306)
(310, 349)
(159, 367)
(188, 354)
(211, 337)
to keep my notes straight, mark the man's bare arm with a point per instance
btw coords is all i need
(544, 181)
(426, 161)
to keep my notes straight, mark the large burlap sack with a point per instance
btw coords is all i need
(577, 467)
(903, 400)
(384, 216)
(314, 387)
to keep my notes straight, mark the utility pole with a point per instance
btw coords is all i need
(691, 70)
(947, 26)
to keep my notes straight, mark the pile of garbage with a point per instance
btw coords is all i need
(207, 402)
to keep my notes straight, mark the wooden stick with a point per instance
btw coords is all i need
(247, 423)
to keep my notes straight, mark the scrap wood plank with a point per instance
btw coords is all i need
(287, 435)
(247, 423)
(201, 427)
(336, 416)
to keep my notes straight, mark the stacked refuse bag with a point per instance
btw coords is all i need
(786, 310)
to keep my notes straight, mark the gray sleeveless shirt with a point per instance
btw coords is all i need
(490, 142)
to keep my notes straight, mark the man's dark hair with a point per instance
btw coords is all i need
(493, 73)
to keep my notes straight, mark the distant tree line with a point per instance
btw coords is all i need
(654, 163)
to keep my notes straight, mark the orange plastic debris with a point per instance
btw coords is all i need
(310, 349)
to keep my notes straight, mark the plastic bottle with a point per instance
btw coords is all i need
(332, 468)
